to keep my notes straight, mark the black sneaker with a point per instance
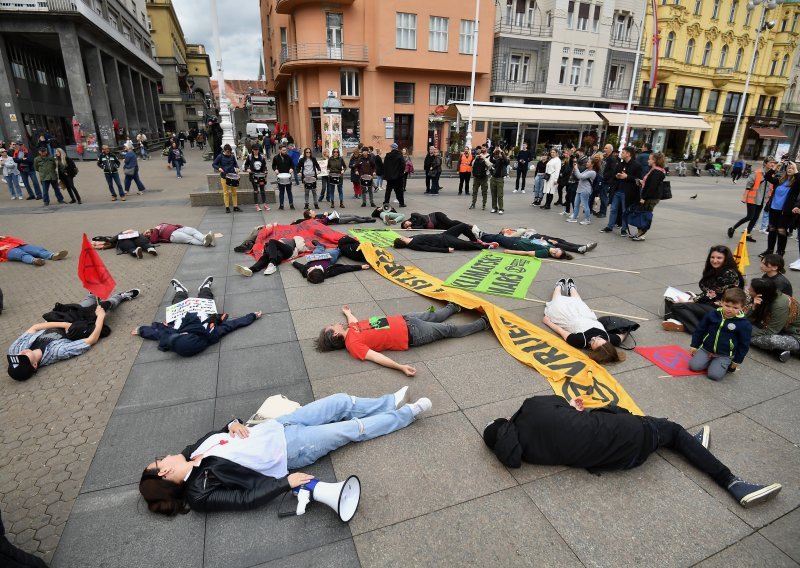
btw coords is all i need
(237, 209)
(132, 293)
(178, 286)
(242, 248)
(730, 232)
(207, 283)
(749, 494)
(606, 230)
(485, 318)
(703, 435)
(291, 207)
(623, 233)
(750, 239)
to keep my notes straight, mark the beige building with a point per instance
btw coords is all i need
(394, 65)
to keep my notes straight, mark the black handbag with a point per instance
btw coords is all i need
(621, 326)
(666, 190)
(546, 177)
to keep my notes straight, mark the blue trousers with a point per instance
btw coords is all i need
(617, 206)
(112, 179)
(28, 253)
(13, 185)
(46, 184)
(581, 200)
(134, 177)
(29, 178)
(317, 429)
(334, 252)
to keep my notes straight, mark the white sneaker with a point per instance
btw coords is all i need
(493, 211)
(208, 239)
(571, 220)
(271, 269)
(401, 397)
(795, 265)
(476, 231)
(563, 213)
(333, 215)
(515, 191)
(422, 405)
(500, 211)
(243, 270)
(586, 222)
(522, 191)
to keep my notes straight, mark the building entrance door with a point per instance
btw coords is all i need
(404, 131)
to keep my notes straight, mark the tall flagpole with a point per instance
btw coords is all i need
(472, 79)
(623, 139)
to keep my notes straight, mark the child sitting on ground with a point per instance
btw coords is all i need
(722, 339)
(322, 264)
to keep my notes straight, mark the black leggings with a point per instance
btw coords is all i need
(349, 248)
(274, 253)
(258, 188)
(661, 433)
(205, 292)
(521, 174)
(129, 246)
(560, 243)
(69, 184)
(463, 181)
(451, 238)
(688, 313)
(442, 221)
(572, 189)
(753, 211)
(778, 231)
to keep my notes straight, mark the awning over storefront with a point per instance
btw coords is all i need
(494, 112)
(639, 119)
(769, 133)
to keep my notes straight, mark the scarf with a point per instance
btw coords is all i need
(644, 179)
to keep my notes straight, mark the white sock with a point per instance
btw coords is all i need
(400, 397)
(422, 405)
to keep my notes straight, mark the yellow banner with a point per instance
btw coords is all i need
(567, 369)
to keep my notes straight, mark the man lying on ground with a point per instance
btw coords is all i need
(365, 339)
(333, 218)
(46, 343)
(321, 264)
(196, 330)
(447, 241)
(435, 220)
(548, 430)
(179, 234)
(275, 252)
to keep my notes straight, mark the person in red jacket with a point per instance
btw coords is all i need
(12, 248)
(179, 234)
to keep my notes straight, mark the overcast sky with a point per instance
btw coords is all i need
(239, 31)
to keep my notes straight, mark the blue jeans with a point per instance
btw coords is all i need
(296, 176)
(324, 195)
(334, 252)
(177, 165)
(602, 193)
(765, 219)
(13, 185)
(143, 152)
(538, 186)
(111, 179)
(134, 177)
(427, 327)
(379, 181)
(628, 210)
(46, 184)
(317, 429)
(28, 253)
(285, 189)
(581, 199)
(27, 178)
(617, 205)
(716, 365)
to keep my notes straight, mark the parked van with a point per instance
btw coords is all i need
(253, 129)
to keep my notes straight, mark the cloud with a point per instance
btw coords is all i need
(239, 33)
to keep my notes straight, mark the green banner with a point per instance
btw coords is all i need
(496, 273)
(379, 237)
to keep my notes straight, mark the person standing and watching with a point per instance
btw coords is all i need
(436, 172)
(757, 191)
(552, 174)
(538, 181)
(480, 176)
(606, 179)
(564, 174)
(379, 170)
(364, 166)
(45, 166)
(523, 161)
(393, 170)
(294, 154)
(499, 165)
(336, 168)
(626, 191)
(226, 164)
(577, 163)
(67, 170)
(24, 159)
(464, 171)
(426, 165)
(409, 167)
(282, 164)
(11, 174)
(130, 168)
(141, 138)
(642, 158)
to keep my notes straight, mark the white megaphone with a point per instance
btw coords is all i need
(342, 497)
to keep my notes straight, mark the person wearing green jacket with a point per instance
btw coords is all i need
(45, 166)
(336, 168)
(776, 320)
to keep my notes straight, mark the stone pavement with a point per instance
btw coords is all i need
(433, 494)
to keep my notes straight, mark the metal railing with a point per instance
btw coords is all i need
(624, 42)
(670, 105)
(506, 86)
(323, 51)
(616, 92)
(522, 26)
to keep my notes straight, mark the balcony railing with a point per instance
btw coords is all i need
(506, 86)
(612, 92)
(323, 52)
(522, 26)
(189, 97)
(623, 42)
(667, 105)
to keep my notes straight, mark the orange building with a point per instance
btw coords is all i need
(393, 64)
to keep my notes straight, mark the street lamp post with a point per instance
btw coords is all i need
(472, 79)
(224, 109)
(762, 26)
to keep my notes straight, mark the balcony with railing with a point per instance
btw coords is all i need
(287, 6)
(616, 92)
(523, 87)
(300, 54)
(622, 41)
(666, 105)
(522, 25)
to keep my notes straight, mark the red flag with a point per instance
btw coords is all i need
(93, 273)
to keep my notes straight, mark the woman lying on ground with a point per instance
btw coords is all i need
(526, 247)
(239, 468)
(435, 220)
(577, 324)
(719, 274)
(533, 235)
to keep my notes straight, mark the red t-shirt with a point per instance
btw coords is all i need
(11, 243)
(379, 333)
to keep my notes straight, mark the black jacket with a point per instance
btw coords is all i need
(282, 163)
(499, 166)
(394, 166)
(628, 185)
(546, 430)
(331, 271)
(192, 337)
(218, 484)
(378, 165)
(652, 186)
(610, 170)
(523, 160)
(428, 163)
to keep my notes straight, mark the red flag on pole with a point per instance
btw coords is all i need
(93, 273)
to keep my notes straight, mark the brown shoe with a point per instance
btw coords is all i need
(672, 325)
(38, 262)
(60, 255)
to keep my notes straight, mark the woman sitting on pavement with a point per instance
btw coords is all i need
(196, 330)
(435, 220)
(447, 241)
(577, 324)
(772, 266)
(776, 320)
(719, 274)
(179, 234)
(239, 468)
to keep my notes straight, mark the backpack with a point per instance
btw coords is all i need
(665, 190)
(479, 167)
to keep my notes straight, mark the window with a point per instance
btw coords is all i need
(784, 23)
(466, 37)
(794, 22)
(596, 19)
(616, 77)
(687, 98)
(113, 19)
(619, 27)
(689, 51)
(669, 45)
(748, 15)
(723, 56)
(126, 31)
(713, 100)
(715, 11)
(295, 90)
(437, 34)
(570, 14)
(575, 74)
(349, 82)
(518, 67)
(773, 66)
(738, 61)
(589, 68)
(41, 77)
(583, 17)
(562, 76)
(61, 83)
(442, 94)
(698, 5)
(784, 64)
(284, 43)
(404, 93)
(406, 25)
(771, 105)
(732, 103)
(762, 100)
(549, 19)
(734, 8)
(191, 111)
(18, 70)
